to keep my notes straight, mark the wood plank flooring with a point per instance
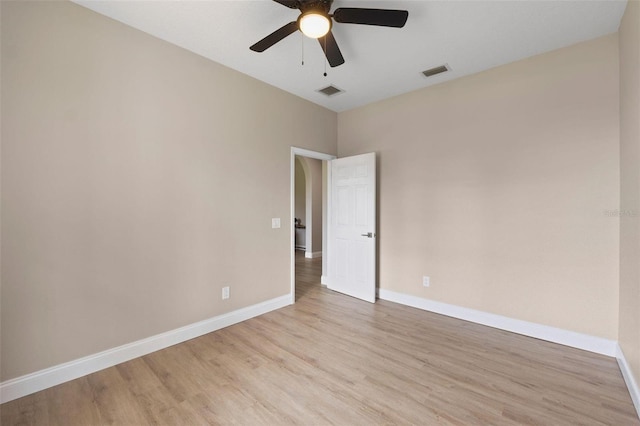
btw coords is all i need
(332, 359)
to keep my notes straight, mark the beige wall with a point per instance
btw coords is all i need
(308, 202)
(0, 196)
(629, 333)
(137, 180)
(300, 192)
(496, 186)
(314, 205)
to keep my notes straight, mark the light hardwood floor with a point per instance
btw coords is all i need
(331, 359)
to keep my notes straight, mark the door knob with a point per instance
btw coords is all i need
(369, 235)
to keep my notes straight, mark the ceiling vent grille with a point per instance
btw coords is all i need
(437, 70)
(330, 90)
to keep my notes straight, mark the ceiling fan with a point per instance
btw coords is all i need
(315, 21)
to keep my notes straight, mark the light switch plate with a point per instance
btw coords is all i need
(275, 222)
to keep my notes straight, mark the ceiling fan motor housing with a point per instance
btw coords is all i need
(321, 6)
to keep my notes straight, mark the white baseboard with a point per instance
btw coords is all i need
(312, 255)
(552, 334)
(627, 374)
(43, 379)
(324, 280)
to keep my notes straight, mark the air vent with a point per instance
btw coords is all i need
(330, 90)
(437, 70)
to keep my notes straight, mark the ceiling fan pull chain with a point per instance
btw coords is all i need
(325, 56)
(302, 44)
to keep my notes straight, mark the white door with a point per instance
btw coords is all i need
(352, 227)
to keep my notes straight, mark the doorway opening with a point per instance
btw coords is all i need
(309, 206)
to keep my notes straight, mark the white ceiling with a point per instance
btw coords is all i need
(469, 36)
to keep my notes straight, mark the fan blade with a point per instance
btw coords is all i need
(380, 17)
(292, 4)
(275, 37)
(331, 50)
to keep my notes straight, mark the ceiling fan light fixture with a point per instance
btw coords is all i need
(314, 24)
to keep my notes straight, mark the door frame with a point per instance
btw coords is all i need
(318, 156)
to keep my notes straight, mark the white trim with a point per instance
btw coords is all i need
(627, 374)
(292, 214)
(292, 191)
(326, 248)
(552, 334)
(324, 280)
(312, 255)
(311, 154)
(43, 379)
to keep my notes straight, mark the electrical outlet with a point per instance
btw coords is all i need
(425, 281)
(225, 293)
(275, 222)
